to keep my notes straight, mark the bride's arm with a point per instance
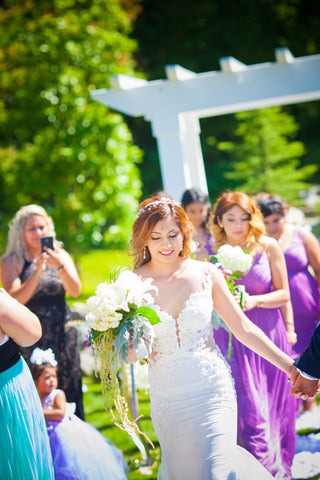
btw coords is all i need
(243, 329)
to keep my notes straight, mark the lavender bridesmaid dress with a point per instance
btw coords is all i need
(304, 291)
(266, 410)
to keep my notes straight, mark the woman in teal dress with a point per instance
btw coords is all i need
(24, 444)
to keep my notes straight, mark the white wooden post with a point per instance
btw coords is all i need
(175, 105)
(181, 155)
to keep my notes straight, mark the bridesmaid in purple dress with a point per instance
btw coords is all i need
(197, 206)
(266, 410)
(301, 250)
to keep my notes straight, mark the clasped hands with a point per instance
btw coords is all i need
(302, 387)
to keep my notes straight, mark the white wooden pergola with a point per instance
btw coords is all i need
(175, 105)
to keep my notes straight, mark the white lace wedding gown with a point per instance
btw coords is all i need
(193, 401)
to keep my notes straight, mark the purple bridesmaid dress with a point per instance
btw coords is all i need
(266, 409)
(305, 297)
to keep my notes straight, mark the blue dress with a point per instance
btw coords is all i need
(80, 451)
(24, 444)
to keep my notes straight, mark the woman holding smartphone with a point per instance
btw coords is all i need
(39, 277)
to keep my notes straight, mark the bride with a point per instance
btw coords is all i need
(193, 401)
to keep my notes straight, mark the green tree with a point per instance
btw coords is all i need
(58, 147)
(208, 30)
(266, 158)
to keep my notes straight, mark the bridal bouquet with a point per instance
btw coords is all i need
(232, 260)
(117, 320)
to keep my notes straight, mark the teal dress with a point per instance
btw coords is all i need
(24, 444)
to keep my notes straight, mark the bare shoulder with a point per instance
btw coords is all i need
(306, 235)
(203, 268)
(140, 271)
(60, 394)
(5, 298)
(12, 262)
(9, 306)
(268, 243)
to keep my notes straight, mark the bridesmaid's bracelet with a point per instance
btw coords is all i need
(60, 268)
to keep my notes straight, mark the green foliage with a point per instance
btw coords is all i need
(96, 266)
(266, 158)
(248, 31)
(58, 147)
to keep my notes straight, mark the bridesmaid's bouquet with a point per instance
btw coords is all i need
(232, 260)
(118, 318)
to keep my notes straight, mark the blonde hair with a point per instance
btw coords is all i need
(151, 211)
(244, 201)
(16, 244)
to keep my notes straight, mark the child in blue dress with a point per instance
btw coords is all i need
(79, 451)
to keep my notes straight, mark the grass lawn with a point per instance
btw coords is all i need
(95, 267)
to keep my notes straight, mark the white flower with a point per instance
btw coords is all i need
(105, 309)
(101, 313)
(234, 258)
(137, 289)
(113, 294)
(38, 357)
(110, 320)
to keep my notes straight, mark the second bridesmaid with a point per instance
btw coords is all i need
(266, 410)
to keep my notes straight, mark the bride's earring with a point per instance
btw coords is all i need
(144, 252)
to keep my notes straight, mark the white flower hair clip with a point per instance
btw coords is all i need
(38, 357)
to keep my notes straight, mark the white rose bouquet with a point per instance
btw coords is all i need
(232, 260)
(118, 318)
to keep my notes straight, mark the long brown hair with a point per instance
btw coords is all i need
(151, 211)
(244, 201)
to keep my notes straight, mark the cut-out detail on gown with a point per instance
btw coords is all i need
(193, 402)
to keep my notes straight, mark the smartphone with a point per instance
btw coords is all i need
(46, 242)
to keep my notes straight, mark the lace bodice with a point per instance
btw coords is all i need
(190, 331)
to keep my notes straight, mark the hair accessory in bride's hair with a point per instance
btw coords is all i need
(154, 204)
(38, 357)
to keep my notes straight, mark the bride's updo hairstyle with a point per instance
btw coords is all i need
(242, 200)
(151, 211)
